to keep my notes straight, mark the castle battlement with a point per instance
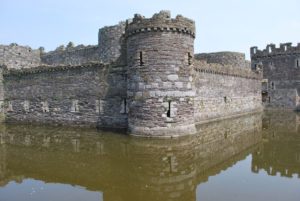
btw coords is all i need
(142, 77)
(161, 21)
(272, 50)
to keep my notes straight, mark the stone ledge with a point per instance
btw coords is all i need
(49, 68)
(227, 70)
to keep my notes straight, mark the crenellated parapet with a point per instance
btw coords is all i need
(271, 50)
(161, 22)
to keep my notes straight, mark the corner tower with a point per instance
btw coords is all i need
(160, 91)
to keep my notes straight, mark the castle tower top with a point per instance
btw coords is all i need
(161, 21)
(271, 50)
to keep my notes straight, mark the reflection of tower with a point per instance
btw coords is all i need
(159, 88)
(126, 168)
(2, 159)
(279, 152)
(76, 145)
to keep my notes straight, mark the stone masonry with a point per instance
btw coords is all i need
(142, 77)
(281, 73)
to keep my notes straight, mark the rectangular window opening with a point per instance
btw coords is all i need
(141, 59)
(189, 59)
(298, 63)
(125, 105)
(169, 109)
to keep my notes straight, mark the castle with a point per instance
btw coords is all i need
(281, 71)
(143, 76)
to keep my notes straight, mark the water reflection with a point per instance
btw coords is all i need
(126, 168)
(279, 154)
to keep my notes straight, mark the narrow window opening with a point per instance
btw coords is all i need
(125, 105)
(269, 99)
(189, 59)
(272, 85)
(298, 63)
(141, 59)
(169, 109)
(225, 99)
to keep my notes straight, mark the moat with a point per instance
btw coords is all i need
(254, 157)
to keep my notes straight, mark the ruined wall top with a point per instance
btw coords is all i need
(161, 21)
(272, 50)
(17, 56)
(226, 70)
(234, 59)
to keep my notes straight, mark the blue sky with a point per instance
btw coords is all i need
(222, 25)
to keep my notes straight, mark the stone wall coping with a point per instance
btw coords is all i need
(50, 68)
(204, 67)
(70, 50)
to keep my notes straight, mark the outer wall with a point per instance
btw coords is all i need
(84, 96)
(222, 96)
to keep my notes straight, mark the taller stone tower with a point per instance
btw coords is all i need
(160, 91)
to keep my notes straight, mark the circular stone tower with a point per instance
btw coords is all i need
(160, 91)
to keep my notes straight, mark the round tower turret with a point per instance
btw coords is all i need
(160, 91)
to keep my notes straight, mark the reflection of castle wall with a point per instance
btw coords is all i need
(129, 168)
(280, 152)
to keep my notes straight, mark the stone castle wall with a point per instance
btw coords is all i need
(143, 75)
(110, 48)
(71, 56)
(234, 59)
(15, 56)
(90, 95)
(281, 70)
(223, 91)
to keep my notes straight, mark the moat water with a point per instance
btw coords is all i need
(255, 157)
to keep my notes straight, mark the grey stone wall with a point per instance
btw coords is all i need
(91, 95)
(112, 46)
(225, 91)
(151, 74)
(281, 71)
(234, 59)
(15, 56)
(72, 56)
(159, 87)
